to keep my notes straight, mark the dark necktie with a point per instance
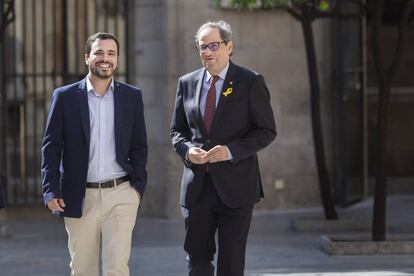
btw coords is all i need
(210, 103)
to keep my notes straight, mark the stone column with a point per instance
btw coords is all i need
(154, 73)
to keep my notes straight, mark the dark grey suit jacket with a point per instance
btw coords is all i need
(244, 122)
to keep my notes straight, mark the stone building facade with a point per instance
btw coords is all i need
(269, 42)
(43, 49)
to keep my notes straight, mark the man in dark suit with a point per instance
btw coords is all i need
(222, 118)
(94, 156)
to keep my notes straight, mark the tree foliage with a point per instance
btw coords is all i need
(319, 5)
(314, 8)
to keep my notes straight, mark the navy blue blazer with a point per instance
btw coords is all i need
(243, 121)
(65, 147)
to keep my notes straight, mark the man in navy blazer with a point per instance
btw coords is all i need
(94, 156)
(222, 118)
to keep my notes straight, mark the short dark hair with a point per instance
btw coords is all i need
(102, 36)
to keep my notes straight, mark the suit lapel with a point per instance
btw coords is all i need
(227, 87)
(84, 109)
(198, 87)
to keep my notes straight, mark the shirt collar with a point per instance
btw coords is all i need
(222, 74)
(91, 89)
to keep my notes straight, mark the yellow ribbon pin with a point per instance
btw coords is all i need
(228, 92)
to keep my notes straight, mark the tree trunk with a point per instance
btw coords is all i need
(324, 183)
(385, 75)
(380, 197)
(3, 18)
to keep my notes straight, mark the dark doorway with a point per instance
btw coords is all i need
(348, 107)
(400, 148)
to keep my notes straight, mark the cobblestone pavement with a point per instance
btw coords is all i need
(36, 246)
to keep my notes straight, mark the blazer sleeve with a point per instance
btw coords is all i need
(52, 150)
(138, 153)
(180, 130)
(262, 129)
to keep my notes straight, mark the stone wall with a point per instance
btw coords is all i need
(268, 42)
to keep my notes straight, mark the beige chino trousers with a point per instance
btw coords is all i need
(108, 219)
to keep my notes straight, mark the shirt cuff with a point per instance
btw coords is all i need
(229, 154)
(186, 156)
(187, 161)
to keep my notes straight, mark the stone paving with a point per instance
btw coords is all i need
(36, 245)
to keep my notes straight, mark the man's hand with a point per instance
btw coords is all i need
(217, 154)
(56, 204)
(197, 156)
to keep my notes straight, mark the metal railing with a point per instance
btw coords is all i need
(43, 48)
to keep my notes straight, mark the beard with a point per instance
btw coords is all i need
(102, 73)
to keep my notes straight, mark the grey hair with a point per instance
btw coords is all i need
(223, 28)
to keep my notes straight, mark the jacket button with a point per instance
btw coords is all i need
(208, 141)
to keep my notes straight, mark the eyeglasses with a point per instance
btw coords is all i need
(213, 46)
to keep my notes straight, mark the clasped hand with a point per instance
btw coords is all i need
(200, 156)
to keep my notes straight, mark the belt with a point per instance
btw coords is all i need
(108, 184)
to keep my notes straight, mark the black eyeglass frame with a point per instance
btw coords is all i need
(203, 47)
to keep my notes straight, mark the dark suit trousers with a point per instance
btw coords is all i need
(207, 217)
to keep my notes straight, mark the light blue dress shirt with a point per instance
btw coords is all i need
(102, 155)
(219, 86)
(206, 84)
